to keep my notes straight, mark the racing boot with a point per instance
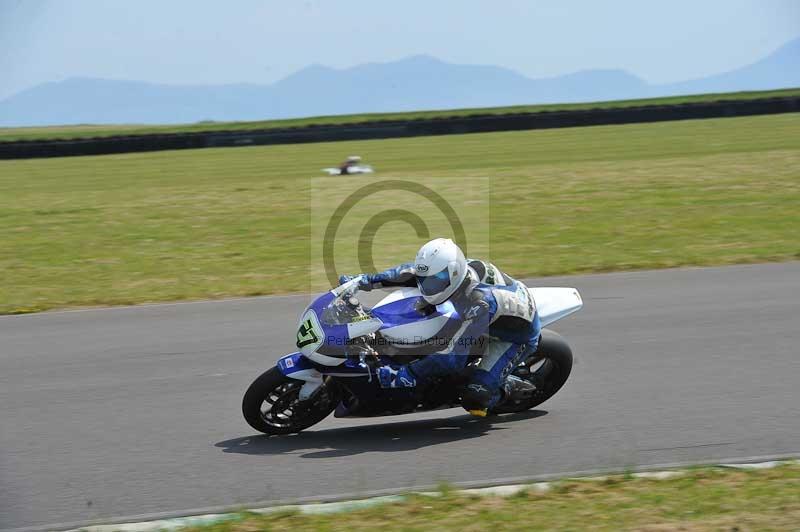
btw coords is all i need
(515, 390)
(476, 399)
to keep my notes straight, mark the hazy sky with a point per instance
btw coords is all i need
(200, 41)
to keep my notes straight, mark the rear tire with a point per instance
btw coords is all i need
(555, 356)
(271, 404)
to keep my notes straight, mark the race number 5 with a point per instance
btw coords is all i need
(306, 335)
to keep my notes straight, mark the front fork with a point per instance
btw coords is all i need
(313, 375)
(298, 367)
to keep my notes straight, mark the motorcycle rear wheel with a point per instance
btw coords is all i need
(548, 369)
(271, 404)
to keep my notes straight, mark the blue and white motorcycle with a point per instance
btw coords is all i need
(341, 343)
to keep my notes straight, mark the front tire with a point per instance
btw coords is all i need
(271, 404)
(548, 369)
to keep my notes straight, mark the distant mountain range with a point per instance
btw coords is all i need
(415, 83)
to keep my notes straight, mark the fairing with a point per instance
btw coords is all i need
(402, 320)
(554, 303)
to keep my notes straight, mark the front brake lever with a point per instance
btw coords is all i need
(362, 361)
(368, 359)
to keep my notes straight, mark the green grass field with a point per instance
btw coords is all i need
(212, 223)
(704, 499)
(88, 130)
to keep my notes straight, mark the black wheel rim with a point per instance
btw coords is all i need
(537, 371)
(282, 408)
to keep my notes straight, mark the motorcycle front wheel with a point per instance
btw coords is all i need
(272, 404)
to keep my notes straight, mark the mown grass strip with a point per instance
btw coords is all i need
(700, 499)
(162, 226)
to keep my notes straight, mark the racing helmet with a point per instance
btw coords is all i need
(440, 268)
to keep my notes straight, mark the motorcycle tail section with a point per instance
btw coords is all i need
(554, 303)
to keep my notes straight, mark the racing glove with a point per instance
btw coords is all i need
(365, 284)
(396, 377)
(402, 275)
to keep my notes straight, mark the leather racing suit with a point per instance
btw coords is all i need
(494, 307)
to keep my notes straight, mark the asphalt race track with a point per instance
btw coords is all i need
(119, 412)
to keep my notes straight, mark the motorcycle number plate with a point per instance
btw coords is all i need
(309, 333)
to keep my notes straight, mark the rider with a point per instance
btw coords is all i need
(350, 162)
(491, 304)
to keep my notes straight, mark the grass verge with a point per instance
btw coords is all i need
(132, 228)
(91, 130)
(702, 499)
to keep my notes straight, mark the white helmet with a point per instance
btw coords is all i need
(440, 269)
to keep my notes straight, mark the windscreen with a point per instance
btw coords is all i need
(340, 312)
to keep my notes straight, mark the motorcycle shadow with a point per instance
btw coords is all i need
(383, 437)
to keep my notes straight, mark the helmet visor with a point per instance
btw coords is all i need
(434, 284)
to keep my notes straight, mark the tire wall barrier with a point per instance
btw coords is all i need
(396, 128)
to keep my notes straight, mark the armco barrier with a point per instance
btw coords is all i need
(397, 128)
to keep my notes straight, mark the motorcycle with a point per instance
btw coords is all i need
(342, 343)
(352, 170)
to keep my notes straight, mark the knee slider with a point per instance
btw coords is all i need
(475, 395)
